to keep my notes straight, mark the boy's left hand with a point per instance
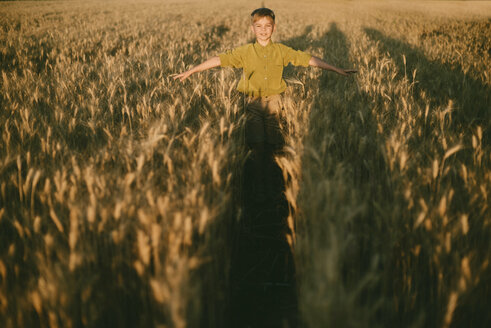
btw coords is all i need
(346, 72)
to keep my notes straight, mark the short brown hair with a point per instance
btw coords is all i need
(260, 13)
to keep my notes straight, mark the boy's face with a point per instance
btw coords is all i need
(263, 28)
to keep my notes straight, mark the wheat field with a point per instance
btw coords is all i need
(120, 187)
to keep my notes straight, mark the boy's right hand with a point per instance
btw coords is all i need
(182, 76)
(210, 63)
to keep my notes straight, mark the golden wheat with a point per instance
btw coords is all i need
(118, 185)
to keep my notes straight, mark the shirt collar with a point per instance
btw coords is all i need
(270, 43)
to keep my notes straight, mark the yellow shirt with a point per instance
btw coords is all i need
(263, 66)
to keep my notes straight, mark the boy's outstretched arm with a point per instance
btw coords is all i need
(317, 62)
(207, 64)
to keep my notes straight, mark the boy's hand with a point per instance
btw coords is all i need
(209, 63)
(317, 62)
(346, 72)
(182, 76)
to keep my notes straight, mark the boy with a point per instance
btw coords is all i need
(262, 85)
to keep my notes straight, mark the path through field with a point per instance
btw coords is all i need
(263, 285)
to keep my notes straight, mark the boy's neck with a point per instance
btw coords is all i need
(263, 43)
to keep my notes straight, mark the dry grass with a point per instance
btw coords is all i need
(118, 184)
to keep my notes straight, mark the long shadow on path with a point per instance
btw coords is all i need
(262, 272)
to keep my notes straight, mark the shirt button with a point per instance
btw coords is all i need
(265, 78)
(264, 56)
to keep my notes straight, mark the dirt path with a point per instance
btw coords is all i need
(263, 273)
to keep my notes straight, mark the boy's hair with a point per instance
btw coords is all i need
(260, 13)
